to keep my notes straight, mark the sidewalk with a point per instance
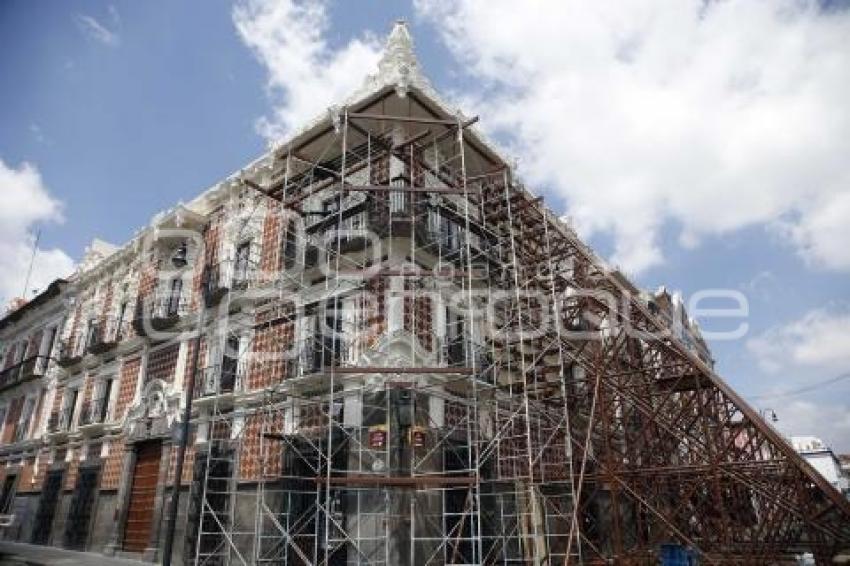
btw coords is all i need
(15, 553)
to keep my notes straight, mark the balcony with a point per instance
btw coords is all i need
(71, 351)
(105, 336)
(60, 421)
(457, 352)
(94, 413)
(319, 353)
(246, 275)
(219, 379)
(216, 282)
(162, 312)
(30, 368)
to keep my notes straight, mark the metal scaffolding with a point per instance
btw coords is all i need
(439, 371)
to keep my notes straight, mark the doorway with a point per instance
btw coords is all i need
(138, 528)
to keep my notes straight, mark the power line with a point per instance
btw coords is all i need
(806, 389)
(32, 261)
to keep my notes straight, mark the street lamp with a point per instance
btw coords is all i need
(179, 260)
(769, 413)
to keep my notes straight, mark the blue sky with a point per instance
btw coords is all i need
(697, 148)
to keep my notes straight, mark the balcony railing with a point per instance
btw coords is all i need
(60, 421)
(320, 353)
(226, 276)
(106, 335)
(169, 305)
(216, 282)
(30, 368)
(457, 352)
(94, 412)
(160, 312)
(218, 379)
(245, 275)
(71, 351)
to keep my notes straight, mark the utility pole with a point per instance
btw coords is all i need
(174, 503)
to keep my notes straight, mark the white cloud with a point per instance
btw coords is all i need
(828, 421)
(97, 31)
(26, 202)
(305, 75)
(806, 364)
(820, 340)
(711, 115)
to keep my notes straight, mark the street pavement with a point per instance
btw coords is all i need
(19, 554)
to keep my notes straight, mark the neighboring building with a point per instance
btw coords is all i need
(29, 342)
(400, 357)
(844, 460)
(671, 309)
(824, 460)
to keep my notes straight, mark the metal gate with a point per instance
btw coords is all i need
(79, 516)
(43, 524)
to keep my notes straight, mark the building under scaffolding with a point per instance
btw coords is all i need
(450, 376)
(393, 353)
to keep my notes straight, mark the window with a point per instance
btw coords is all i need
(103, 400)
(242, 263)
(398, 202)
(357, 222)
(229, 364)
(289, 246)
(51, 339)
(454, 338)
(24, 421)
(8, 493)
(91, 332)
(174, 297)
(331, 205)
(119, 322)
(70, 407)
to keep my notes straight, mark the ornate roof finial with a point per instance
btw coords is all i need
(398, 64)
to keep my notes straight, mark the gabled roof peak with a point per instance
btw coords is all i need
(398, 64)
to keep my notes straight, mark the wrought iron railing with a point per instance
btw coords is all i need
(30, 368)
(60, 421)
(170, 305)
(218, 379)
(105, 335)
(71, 351)
(94, 412)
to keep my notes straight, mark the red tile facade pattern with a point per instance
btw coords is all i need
(418, 314)
(25, 479)
(72, 471)
(106, 304)
(57, 399)
(162, 363)
(188, 463)
(271, 241)
(187, 370)
(112, 466)
(88, 391)
(13, 415)
(127, 391)
(212, 245)
(269, 346)
(258, 456)
(35, 343)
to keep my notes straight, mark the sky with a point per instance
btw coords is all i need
(696, 145)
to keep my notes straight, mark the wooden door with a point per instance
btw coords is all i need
(82, 507)
(47, 507)
(137, 530)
